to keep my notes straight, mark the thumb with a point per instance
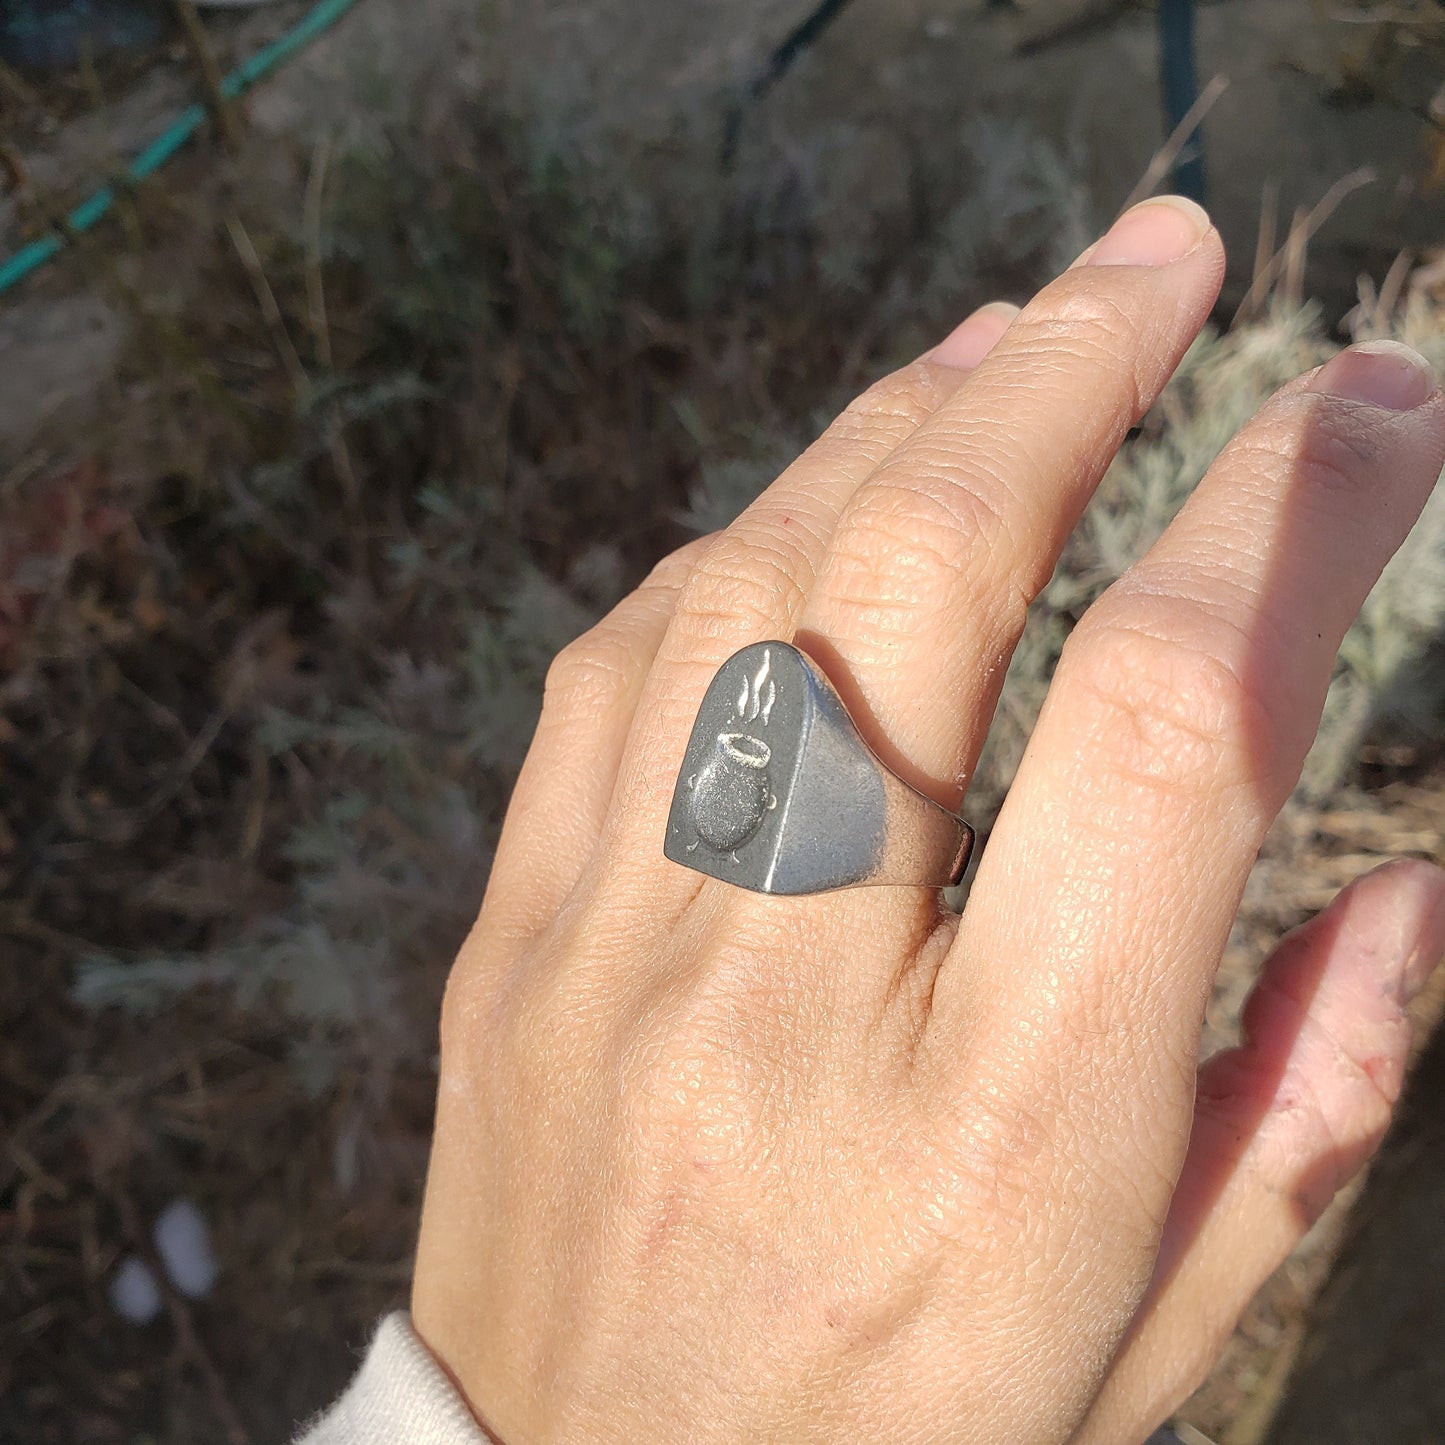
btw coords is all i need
(1280, 1123)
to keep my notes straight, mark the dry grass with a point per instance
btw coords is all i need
(271, 632)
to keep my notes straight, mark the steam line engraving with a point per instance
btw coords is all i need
(732, 792)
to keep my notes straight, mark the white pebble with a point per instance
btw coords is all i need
(183, 1242)
(134, 1293)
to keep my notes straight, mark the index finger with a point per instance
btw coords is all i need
(1174, 731)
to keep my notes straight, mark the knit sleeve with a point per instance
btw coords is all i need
(400, 1396)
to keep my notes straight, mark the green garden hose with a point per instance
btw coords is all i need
(318, 20)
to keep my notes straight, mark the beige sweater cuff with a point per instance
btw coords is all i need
(400, 1396)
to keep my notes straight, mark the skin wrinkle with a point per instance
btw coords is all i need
(1273, 995)
(909, 992)
(1175, 715)
(1165, 748)
(876, 430)
(587, 681)
(958, 504)
(742, 588)
(782, 527)
(910, 397)
(1196, 626)
(1090, 330)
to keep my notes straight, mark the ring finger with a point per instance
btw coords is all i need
(594, 684)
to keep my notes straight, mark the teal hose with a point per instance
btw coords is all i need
(186, 124)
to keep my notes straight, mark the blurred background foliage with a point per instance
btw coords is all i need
(399, 407)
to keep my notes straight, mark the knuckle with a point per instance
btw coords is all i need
(458, 1026)
(895, 407)
(1092, 328)
(708, 1072)
(1172, 716)
(745, 585)
(684, 1094)
(995, 1144)
(1324, 446)
(908, 541)
(470, 1016)
(963, 499)
(535, 1037)
(591, 674)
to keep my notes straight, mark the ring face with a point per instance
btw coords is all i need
(778, 792)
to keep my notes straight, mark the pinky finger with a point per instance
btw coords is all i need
(1280, 1124)
(566, 784)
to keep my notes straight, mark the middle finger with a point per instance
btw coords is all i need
(937, 557)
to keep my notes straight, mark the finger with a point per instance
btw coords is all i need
(1175, 729)
(1280, 1124)
(753, 582)
(939, 553)
(593, 687)
(566, 782)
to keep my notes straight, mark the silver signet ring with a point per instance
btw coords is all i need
(779, 793)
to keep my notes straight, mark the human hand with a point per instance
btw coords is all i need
(715, 1166)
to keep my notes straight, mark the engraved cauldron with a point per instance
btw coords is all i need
(731, 793)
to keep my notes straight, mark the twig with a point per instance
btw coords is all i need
(340, 455)
(1268, 230)
(320, 326)
(1429, 277)
(1371, 316)
(259, 795)
(12, 167)
(1291, 254)
(1393, 286)
(289, 539)
(315, 282)
(1251, 1425)
(1167, 154)
(204, 55)
(1296, 249)
(116, 176)
(270, 310)
(780, 62)
(301, 384)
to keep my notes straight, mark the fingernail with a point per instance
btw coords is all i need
(1153, 233)
(1379, 373)
(971, 340)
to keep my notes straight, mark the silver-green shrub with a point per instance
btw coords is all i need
(407, 740)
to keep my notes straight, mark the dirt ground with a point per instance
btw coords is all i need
(105, 1116)
(889, 99)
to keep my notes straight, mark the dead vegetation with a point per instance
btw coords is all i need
(391, 427)
(273, 630)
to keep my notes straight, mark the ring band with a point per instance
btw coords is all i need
(778, 792)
